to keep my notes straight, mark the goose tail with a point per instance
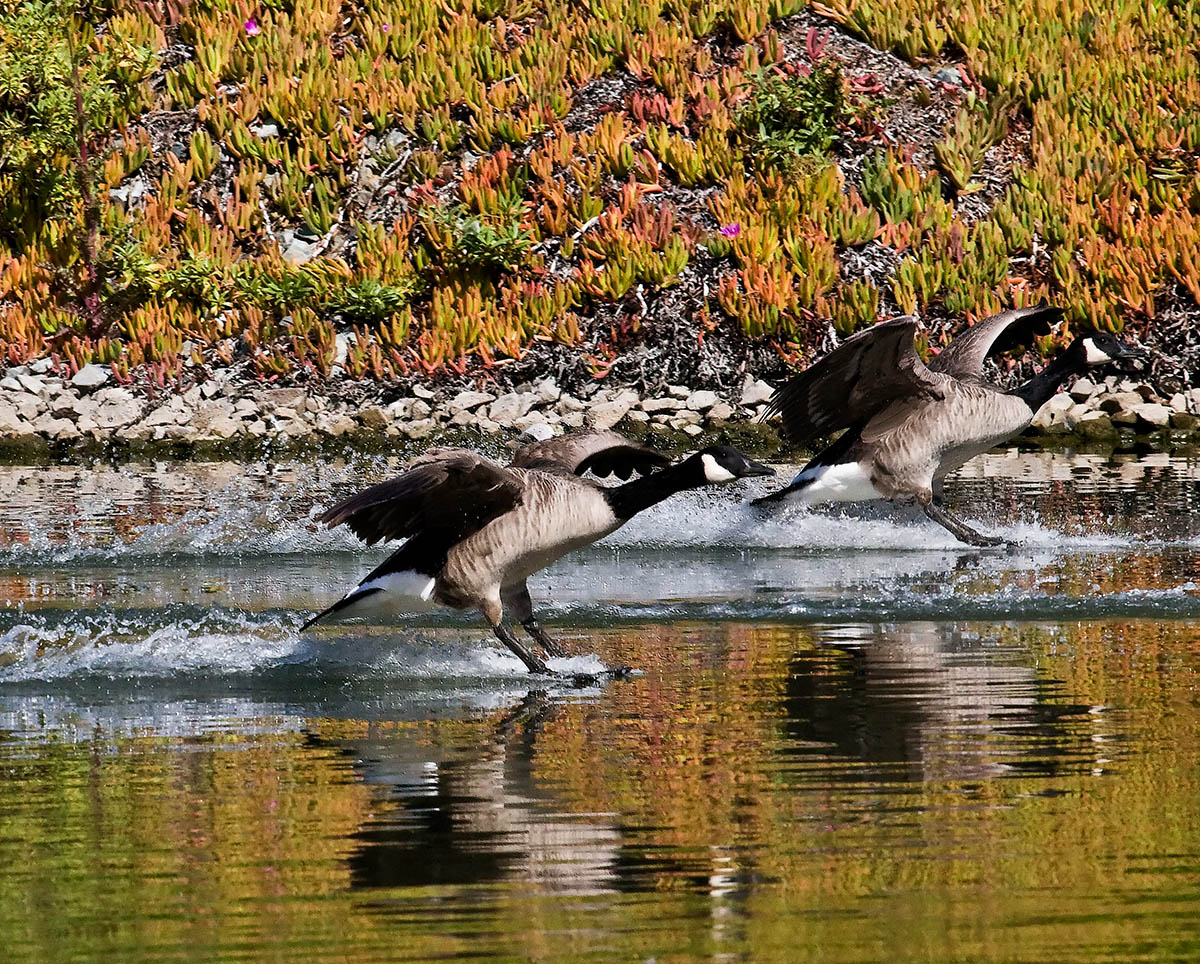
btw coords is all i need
(344, 603)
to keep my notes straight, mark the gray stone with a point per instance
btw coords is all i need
(511, 406)
(1193, 400)
(755, 391)
(265, 131)
(63, 405)
(117, 413)
(603, 415)
(720, 412)
(222, 427)
(34, 384)
(637, 415)
(420, 409)
(693, 430)
(1096, 425)
(466, 401)
(1153, 415)
(91, 376)
(276, 399)
(1083, 389)
(547, 391)
(1062, 402)
(163, 415)
(335, 425)
(11, 422)
(374, 418)
(664, 404)
(10, 383)
(422, 392)
(702, 400)
(569, 403)
(577, 419)
(299, 252)
(1121, 402)
(1178, 402)
(40, 366)
(685, 417)
(419, 428)
(948, 76)
(678, 391)
(51, 427)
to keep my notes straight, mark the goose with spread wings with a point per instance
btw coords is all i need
(906, 425)
(475, 530)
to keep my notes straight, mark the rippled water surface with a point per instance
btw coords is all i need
(849, 738)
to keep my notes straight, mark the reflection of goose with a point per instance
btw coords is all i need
(908, 425)
(920, 696)
(476, 531)
(479, 819)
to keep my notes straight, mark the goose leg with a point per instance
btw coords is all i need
(958, 528)
(534, 664)
(516, 601)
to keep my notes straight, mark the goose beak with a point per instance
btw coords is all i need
(756, 468)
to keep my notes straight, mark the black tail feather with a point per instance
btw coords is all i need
(780, 494)
(341, 604)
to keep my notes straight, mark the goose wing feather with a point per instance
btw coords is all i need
(601, 453)
(1005, 332)
(866, 373)
(454, 492)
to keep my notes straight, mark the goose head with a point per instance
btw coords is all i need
(723, 463)
(1100, 348)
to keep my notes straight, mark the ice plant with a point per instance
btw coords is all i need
(731, 230)
(252, 28)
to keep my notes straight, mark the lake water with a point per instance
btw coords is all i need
(849, 738)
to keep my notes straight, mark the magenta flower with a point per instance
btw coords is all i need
(386, 27)
(251, 28)
(731, 230)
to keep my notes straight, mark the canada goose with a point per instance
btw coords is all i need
(476, 530)
(908, 424)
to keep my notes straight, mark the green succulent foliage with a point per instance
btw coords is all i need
(369, 302)
(39, 133)
(787, 118)
(485, 242)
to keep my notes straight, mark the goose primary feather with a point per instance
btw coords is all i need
(906, 424)
(475, 530)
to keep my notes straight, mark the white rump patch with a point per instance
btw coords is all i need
(403, 592)
(714, 471)
(847, 482)
(1095, 355)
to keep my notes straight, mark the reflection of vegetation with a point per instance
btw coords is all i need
(224, 845)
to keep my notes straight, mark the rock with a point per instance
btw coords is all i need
(755, 391)
(116, 413)
(222, 427)
(466, 401)
(335, 425)
(1096, 425)
(1193, 400)
(463, 417)
(693, 430)
(576, 420)
(275, 399)
(299, 252)
(1184, 421)
(949, 76)
(511, 406)
(11, 384)
(720, 412)
(210, 389)
(1153, 415)
(265, 131)
(374, 418)
(91, 376)
(569, 403)
(637, 415)
(685, 417)
(1178, 402)
(678, 391)
(422, 392)
(1083, 389)
(40, 366)
(52, 427)
(33, 384)
(11, 422)
(419, 428)
(163, 415)
(420, 409)
(655, 405)
(535, 427)
(1051, 421)
(701, 401)
(63, 405)
(1121, 402)
(547, 391)
(1062, 402)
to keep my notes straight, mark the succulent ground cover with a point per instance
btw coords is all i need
(644, 191)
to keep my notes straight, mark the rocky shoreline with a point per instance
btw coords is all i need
(41, 413)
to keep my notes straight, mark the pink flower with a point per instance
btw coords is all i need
(386, 27)
(731, 230)
(251, 28)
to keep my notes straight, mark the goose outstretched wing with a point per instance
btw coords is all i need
(452, 491)
(867, 372)
(601, 453)
(963, 357)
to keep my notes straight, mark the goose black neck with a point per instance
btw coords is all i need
(633, 497)
(1041, 388)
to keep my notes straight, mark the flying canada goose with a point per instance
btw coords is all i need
(907, 424)
(477, 530)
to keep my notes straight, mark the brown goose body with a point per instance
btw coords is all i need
(908, 425)
(474, 530)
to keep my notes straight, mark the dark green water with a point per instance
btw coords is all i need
(850, 739)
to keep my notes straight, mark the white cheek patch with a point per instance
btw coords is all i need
(1096, 356)
(714, 471)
